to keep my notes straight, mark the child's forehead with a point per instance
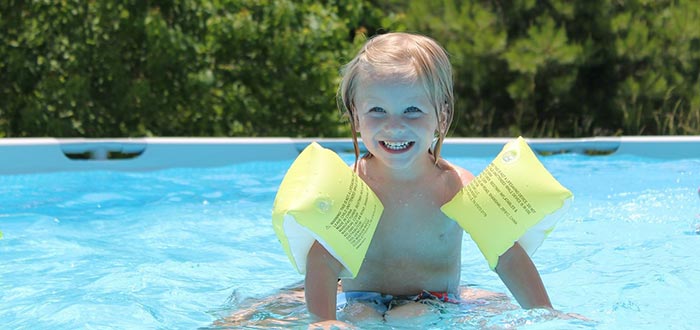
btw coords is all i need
(405, 74)
(389, 83)
(391, 89)
(389, 79)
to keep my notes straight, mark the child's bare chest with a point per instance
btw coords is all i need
(413, 229)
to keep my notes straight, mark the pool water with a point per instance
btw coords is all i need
(188, 248)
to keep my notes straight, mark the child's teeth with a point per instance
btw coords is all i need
(396, 145)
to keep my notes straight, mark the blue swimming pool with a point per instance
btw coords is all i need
(190, 247)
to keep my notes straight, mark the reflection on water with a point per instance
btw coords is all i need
(284, 310)
(482, 310)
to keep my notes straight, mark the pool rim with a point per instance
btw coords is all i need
(33, 155)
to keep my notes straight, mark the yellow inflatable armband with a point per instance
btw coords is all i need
(321, 198)
(511, 200)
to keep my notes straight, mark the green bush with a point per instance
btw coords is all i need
(135, 68)
(270, 67)
(569, 68)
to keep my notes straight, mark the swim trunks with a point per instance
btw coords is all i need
(384, 302)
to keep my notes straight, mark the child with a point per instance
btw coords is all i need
(397, 93)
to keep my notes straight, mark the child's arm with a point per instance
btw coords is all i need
(518, 273)
(321, 282)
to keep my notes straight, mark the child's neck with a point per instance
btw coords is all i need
(375, 169)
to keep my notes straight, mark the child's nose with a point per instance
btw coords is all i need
(395, 123)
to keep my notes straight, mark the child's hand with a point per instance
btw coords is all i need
(330, 325)
(569, 316)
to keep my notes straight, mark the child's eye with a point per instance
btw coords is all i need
(413, 109)
(413, 112)
(377, 109)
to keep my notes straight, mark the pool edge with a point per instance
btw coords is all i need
(31, 155)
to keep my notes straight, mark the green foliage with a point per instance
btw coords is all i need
(139, 68)
(563, 68)
(74, 68)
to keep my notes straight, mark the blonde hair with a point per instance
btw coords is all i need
(410, 56)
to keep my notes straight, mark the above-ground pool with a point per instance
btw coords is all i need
(176, 234)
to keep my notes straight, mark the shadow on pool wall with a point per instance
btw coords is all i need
(33, 155)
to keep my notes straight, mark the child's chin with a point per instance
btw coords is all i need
(396, 164)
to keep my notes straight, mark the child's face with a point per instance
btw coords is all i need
(397, 121)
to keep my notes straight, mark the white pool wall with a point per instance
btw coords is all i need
(33, 155)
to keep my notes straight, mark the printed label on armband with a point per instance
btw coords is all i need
(506, 197)
(354, 220)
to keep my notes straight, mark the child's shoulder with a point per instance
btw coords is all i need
(457, 176)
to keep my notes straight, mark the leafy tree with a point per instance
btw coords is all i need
(137, 68)
(562, 68)
(270, 67)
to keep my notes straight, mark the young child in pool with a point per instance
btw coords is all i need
(397, 93)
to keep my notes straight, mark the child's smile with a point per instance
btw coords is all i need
(396, 147)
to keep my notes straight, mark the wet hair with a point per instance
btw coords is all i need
(413, 57)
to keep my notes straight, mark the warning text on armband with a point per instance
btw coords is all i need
(501, 191)
(354, 218)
